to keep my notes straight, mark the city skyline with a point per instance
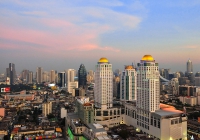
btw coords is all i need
(61, 35)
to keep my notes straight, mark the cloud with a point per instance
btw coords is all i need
(190, 47)
(58, 27)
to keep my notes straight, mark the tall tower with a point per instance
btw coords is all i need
(30, 77)
(62, 79)
(148, 88)
(52, 76)
(103, 89)
(12, 73)
(82, 76)
(189, 66)
(128, 84)
(39, 75)
(71, 83)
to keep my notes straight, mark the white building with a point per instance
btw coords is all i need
(128, 84)
(103, 89)
(148, 86)
(159, 121)
(71, 83)
(189, 66)
(63, 112)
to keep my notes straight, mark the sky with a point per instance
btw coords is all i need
(61, 34)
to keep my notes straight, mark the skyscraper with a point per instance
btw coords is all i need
(30, 77)
(82, 76)
(128, 84)
(39, 75)
(148, 88)
(62, 79)
(71, 83)
(12, 73)
(103, 89)
(52, 76)
(189, 66)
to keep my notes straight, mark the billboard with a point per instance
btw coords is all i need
(6, 89)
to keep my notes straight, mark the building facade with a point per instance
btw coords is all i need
(12, 73)
(128, 84)
(189, 66)
(46, 108)
(103, 89)
(52, 76)
(39, 75)
(82, 76)
(62, 79)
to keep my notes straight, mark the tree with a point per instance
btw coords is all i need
(124, 134)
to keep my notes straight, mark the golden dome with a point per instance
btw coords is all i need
(103, 60)
(128, 67)
(147, 58)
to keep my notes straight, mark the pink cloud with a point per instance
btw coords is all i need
(61, 35)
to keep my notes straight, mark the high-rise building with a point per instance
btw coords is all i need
(82, 76)
(128, 84)
(71, 83)
(24, 75)
(62, 79)
(46, 108)
(52, 76)
(45, 76)
(90, 76)
(103, 89)
(116, 84)
(189, 66)
(12, 73)
(30, 77)
(39, 75)
(148, 88)
(158, 121)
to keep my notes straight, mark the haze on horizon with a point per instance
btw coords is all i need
(62, 34)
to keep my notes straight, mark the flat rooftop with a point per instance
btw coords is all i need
(165, 113)
(96, 128)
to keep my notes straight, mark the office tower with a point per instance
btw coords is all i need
(62, 79)
(71, 83)
(30, 77)
(7, 72)
(52, 76)
(197, 74)
(189, 66)
(90, 76)
(12, 73)
(82, 76)
(24, 75)
(39, 75)
(173, 86)
(177, 75)
(116, 82)
(197, 81)
(103, 89)
(148, 88)
(128, 84)
(45, 76)
(71, 73)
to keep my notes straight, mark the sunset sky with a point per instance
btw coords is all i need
(62, 34)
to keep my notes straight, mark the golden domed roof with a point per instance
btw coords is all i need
(147, 58)
(103, 60)
(128, 67)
